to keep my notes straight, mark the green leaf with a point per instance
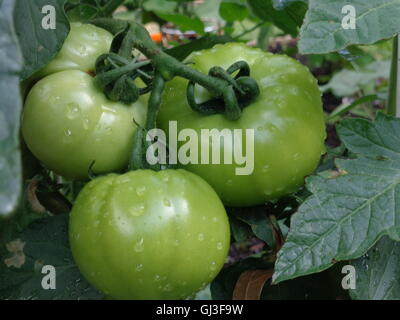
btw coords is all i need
(10, 109)
(208, 10)
(288, 19)
(206, 42)
(257, 219)
(163, 6)
(343, 109)
(323, 32)
(240, 230)
(347, 215)
(232, 11)
(83, 12)
(348, 82)
(38, 45)
(184, 23)
(377, 272)
(280, 4)
(372, 139)
(44, 243)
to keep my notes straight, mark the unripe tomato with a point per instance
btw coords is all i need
(84, 43)
(68, 123)
(149, 235)
(287, 119)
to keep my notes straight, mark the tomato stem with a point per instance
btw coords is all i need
(233, 89)
(234, 94)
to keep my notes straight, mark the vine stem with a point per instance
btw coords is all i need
(138, 158)
(249, 30)
(168, 66)
(394, 87)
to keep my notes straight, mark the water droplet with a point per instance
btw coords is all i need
(68, 132)
(124, 179)
(167, 203)
(139, 246)
(220, 245)
(167, 288)
(137, 210)
(213, 266)
(72, 110)
(157, 278)
(265, 168)
(215, 219)
(83, 50)
(229, 183)
(277, 90)
(201, 236)
(86, 124)
(273, 128)
(139, 267)
(140, 191)
(176, 242)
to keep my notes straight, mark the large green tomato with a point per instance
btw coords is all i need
(84, 43)
(68, 123)
(149, 235)
(287, 119)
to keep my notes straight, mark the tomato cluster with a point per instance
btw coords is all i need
(165, 235)
(68, 123)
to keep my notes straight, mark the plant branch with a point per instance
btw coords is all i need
(249, 30)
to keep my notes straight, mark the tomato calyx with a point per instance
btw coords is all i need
(242, 90)
(232, 93)
(116, 76)
(116, 71)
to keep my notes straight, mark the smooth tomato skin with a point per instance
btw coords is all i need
(68, 123)
(287, 119)
(149, 235)
(83, 45)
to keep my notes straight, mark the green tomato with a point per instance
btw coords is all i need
(68, 124)
(149, 235)
(84, 43)
(287, 119)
